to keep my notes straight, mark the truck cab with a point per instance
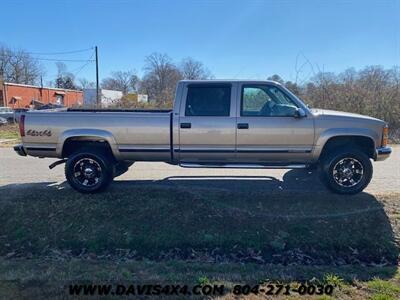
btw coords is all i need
(241, 122)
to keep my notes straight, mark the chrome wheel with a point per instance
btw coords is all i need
(348, 172)
(87, 172)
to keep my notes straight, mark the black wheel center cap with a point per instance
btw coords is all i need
(89, 172)
(347, 172)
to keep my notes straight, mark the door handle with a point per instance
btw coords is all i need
(243, 125)
(186, 125)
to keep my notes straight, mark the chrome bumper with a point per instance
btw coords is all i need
(20, 150)
(382, 153)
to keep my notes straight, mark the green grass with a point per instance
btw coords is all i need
(383, 289)
(150, 233)
(334, 280)
(9, 131)
(32, 277)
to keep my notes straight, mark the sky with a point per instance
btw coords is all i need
(234, 39)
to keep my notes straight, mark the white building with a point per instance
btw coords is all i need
(142, 98)
(107, 97)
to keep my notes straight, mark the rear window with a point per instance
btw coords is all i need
(208, 101)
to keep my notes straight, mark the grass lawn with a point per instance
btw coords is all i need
(52, 235)
(9, 131)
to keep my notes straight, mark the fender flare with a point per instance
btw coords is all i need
(89, 135)
(326, 135)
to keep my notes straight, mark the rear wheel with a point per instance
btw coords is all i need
(89, 171)
(347, 171)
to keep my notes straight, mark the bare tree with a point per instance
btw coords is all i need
(276, 78)
(192, 69)
(372, 91)
(61, 68)
(124, 81)
(19, 66)
(160, 79)
(86, 84)
(65, 79)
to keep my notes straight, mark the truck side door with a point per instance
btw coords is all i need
(207, 123)
(267, 129)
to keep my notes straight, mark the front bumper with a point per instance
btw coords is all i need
(20, 150)
(382, 153)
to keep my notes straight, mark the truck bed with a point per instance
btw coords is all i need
(132, 134)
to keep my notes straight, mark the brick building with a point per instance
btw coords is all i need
(25, 96)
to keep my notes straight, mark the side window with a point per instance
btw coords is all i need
(208, 101)
(266, 101)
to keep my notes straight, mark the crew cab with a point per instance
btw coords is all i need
(214, 123)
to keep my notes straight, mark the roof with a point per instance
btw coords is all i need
(249, 81)
(40, 87)
(102, 90)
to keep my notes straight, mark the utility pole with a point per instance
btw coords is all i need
(97, 79)
(3, 100)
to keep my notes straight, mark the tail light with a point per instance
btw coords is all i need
(22, 125)
(385, 136)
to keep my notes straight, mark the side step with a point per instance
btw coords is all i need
(243, 166)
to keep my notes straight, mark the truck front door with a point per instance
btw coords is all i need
(207, 123)
(267, 129)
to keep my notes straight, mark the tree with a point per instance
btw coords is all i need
(276, 78)
(64, 80)
(372, 91)
(160, 79)
(86, 84)
(124, 81)
(192, 69)
(19, 67)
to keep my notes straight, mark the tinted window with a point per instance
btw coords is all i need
(208, 101)
(266, 101)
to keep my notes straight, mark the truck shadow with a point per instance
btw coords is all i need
(299, 180)
(257, 219)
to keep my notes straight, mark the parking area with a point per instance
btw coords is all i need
(17, 171)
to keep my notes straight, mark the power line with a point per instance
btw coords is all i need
(59, 53)
(49, 59)
(77, 70)
(69, 60)
(84, 65)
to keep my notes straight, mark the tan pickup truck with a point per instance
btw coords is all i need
(223, 123)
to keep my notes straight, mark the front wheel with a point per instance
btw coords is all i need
(88, 171)
(347, 171)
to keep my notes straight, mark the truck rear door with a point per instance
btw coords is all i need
(207, 123)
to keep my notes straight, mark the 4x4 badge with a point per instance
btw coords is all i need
(39, 133)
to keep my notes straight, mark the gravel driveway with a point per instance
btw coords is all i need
(17, 171)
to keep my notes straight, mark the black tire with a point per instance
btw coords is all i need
(98, 171)
(346, 171)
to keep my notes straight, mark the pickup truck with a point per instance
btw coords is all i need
(214, 123)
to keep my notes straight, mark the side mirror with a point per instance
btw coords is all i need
(299, 113)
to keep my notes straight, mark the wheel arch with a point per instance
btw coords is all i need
(72, 139)
(363, 142)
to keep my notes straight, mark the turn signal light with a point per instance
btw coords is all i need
(385, 136)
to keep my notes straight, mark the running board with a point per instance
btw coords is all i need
(242, 166)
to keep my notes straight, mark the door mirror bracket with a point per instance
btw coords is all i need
(299, 113)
